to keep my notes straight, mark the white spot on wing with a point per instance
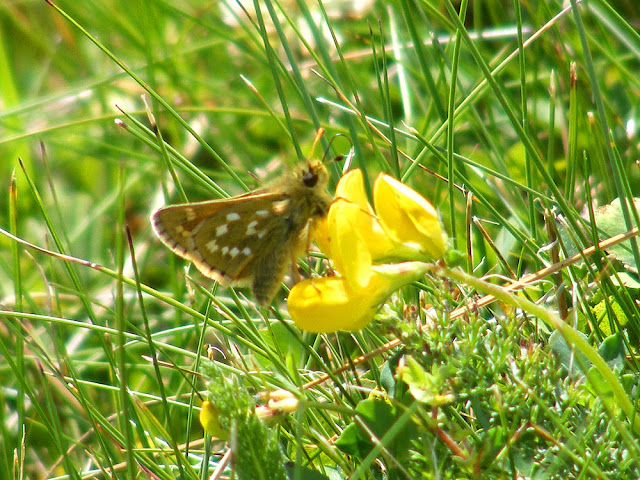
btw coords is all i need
(224, 250)
(262, 213)
(190, 214)
(234, 251)
(281, 206)
(251, 227)
(222, 229)
(212, 246)
(262, 233)
(246, 251)
(232, 216)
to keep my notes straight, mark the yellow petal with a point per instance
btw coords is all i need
(320, 233)
(340, 235)
(408, 218)
(209, 420)
(349, 249)
(350, 187)
(351, 207)
(329, 304)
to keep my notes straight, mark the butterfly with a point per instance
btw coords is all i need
(250, 239)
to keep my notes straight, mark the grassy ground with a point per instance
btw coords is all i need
(518, 121)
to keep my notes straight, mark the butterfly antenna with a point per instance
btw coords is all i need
(339, 157)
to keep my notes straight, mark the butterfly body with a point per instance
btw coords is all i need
(248, 240)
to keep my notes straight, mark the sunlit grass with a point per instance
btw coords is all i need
(505, 121)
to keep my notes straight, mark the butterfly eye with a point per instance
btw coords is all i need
(309, 178)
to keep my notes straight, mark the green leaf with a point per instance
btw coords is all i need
(612, 351)
(282, 340)
(350, 441)
(387, 375)
(609, 219)
(426, 387)
(602, 314)
(623, 279)
(565, 354)
(378, 415)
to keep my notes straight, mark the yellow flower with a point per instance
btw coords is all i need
(404, 227)
(408, 219)
(209, 420)
(328, 304)
(351, 235)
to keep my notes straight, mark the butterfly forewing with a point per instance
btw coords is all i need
(221, 237)
(250, 239)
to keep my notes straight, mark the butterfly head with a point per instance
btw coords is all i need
(313, 175)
